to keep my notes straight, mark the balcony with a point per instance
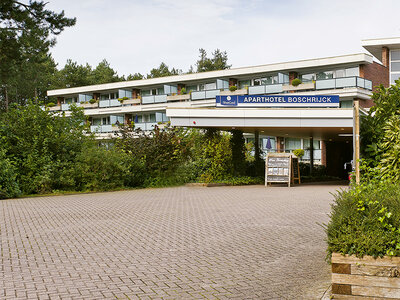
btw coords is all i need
(266, 89)
(300, 87)
(131, 102)
(344, 82)
(103, 128)
(200, 95)
(184, 97)
(89, 105)
(54, 108)
(109, 103)
(237, 92)
(145, 126)
(152, 99)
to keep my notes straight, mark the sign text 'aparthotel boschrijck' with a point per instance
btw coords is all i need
(278, 101)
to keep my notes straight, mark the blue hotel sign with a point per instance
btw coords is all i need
(278, 101)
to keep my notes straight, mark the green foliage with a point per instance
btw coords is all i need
(218, 61)
(163, 71)
(183, 91)
(100, 169)
(365, 220)
(296, 82)
(92, 101)
(233, 88)
(50, 104)
(237, 144)
(299, 152)
(373, 126)
(8, 185)
(27, 33)
(319, 171)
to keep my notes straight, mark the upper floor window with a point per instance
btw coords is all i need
(150, 92)
(109, 96)
(190, 88)
(244, 83)
(273, 79)
(208, 86)
(71, 100)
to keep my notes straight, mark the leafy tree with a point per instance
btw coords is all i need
(162, 71)
(218, 61)
(135, 76)
(387, 106)
(73, 75)
(103, 73)
(27, 33)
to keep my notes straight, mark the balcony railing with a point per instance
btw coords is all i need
(145, 126)
(103, 128)
(344, 82)
(109, 103)
(151, 99)
(209, 94)
(266, 89)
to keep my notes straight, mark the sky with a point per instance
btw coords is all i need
(136, 36)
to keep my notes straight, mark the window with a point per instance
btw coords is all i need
(208, 86)
(292, 144)
(352, 72)
(394, 65)
(273, 79)
(71, 100)
(190, 88)
(324, 75)
(146, 92)
(244, 83)
(340, 73)
(307, 77)
(109, 96)
(106, 120)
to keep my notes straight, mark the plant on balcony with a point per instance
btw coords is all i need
(120, 100)
(125, 98)
(298, 152)
(296, 82)
(92, 101)
(183, 91)
(233, 88)
(50, 104)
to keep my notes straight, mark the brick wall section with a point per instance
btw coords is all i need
(60, 100)
(96, 96)
(385, 56)
(233, 82)
(292, 75)
(375, 72)
(135, 93)
(180, 86)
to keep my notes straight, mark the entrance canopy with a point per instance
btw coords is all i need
(321, 123)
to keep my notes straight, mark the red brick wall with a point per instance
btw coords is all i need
(180, 86)
(135, 93)
(292, 75)
(280, 144)
(323, 153)
(233, 82)
(375, 72)
(385, 56)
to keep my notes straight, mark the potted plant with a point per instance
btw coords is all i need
(299, 153)
(296, 82)
(233, 88)
(183, 91)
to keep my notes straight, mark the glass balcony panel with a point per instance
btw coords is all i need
(198, 95)
(104, 103)
(368, 84)
(106, 128)
(150, 126)
(65, 106)
(346, 82)
(147, 99)
(141, 126)
(273, 88)
(212, 94)
(160, 98)
(325, 84)
(254, 90)
(95, 128)
(115, 102)
(360, 82)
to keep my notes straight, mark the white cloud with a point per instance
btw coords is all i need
(135, 36)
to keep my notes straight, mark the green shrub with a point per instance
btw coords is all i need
(298, 152)
(365, 220)
(8, 185)
(125, 98)
(296, 82)
(183, 91)
(92, 101)
(233, 88)
(50, 104)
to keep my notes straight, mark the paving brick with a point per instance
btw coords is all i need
(186, 242)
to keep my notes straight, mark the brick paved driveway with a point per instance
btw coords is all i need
(185, 242)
